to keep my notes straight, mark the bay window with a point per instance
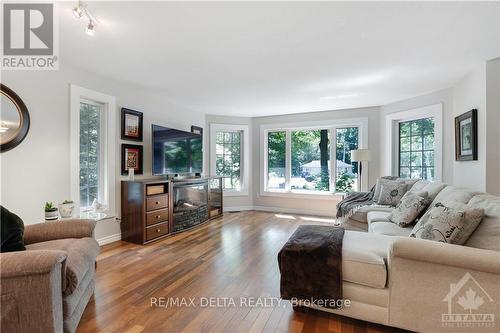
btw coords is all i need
(297, 159)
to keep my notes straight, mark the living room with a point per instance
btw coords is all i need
(179, 148)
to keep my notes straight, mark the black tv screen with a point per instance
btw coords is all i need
(176, 152)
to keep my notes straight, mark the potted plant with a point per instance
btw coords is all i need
(51, 212)
(66, 208)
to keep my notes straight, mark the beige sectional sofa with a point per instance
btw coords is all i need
(417, 284)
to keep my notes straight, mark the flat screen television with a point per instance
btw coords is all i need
(176, 152)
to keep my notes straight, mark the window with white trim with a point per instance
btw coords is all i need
(92, 149)
(297, 160)
(229, 156)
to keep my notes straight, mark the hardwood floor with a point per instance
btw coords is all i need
(232, 257)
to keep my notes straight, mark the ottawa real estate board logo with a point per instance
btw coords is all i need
(29, 36)
(469, 305)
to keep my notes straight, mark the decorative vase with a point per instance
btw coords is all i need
(52, 214)
(66, 210)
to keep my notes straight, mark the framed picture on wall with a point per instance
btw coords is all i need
(131, 125)
(132, 156)
(466, 136)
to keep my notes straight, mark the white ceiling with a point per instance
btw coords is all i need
(263, 58)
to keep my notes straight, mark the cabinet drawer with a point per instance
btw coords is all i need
(156, 231)
(156, 202)
(157, 216)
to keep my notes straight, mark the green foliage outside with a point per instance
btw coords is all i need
(344, 183)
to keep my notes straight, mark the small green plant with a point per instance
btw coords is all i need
(67, 202)
(49, 207)
(344, 183)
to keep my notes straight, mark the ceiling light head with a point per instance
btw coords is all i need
(90, 30)
(78, 11)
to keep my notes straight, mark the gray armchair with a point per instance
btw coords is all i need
(47, 287)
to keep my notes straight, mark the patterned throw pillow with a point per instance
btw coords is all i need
(472, 219)
(441, 224)
(409, 208)
(383, 181)
(391, 194)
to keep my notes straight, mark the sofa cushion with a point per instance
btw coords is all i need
(454, 194)
(361, 215)
(81, 255)
(388, 228)
(432, 188)
(364, 258)
(487, 234)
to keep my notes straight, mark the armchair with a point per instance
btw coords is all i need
(47, 287)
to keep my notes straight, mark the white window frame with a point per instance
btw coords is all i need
(244, 158)
(331, 126)
(392, 137)
(107, 145)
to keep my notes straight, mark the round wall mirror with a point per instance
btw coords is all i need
(14, 119)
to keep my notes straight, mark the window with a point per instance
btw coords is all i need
(346, 173)
(92, 149)
(229, 156)
(416, 149)
(298, 159)
(90, 159)
(276, 143)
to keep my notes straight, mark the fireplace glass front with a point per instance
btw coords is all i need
(190, 205)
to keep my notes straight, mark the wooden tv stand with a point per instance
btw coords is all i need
(152, 209)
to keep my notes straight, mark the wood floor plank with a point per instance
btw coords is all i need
(232, 257)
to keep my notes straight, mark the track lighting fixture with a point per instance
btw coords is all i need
(82, 10)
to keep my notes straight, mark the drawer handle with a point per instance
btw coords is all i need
(158, 230)
(157, 202)
(158, 216)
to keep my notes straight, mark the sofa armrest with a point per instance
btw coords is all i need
(446, 254)
(26, 263)
(31, 295)
(427, 278)
(41, 232)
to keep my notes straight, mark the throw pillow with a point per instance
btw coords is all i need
(383, 181)
(12, 231)
(472, 219)
(391, 194)
(441, 224)
(409, 208)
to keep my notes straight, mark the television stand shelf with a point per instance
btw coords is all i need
(155, 208)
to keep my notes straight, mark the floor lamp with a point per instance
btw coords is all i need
(360, 155)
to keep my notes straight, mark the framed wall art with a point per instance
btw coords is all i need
(132, 125)
(466, 136)
(132, 157)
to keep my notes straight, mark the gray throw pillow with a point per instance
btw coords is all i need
(441, 224)
(409, 208)
(383, 181)
(391, 194)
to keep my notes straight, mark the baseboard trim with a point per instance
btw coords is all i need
(280, 210)
(109, 239)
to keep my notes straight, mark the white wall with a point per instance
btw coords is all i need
(493, 126)
(38, 170)
(445, 97)
(470, 93)
(313, 206)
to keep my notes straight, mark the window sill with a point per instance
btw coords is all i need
(235, 193)
(303, 195)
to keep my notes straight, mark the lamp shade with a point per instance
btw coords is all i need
(359, 155)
